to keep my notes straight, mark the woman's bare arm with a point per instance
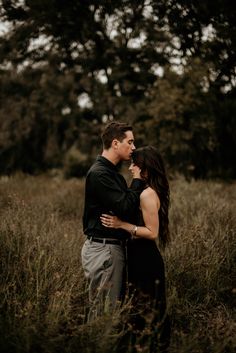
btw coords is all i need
(150, 204)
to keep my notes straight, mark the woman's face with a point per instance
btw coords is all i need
(133, 168)
(136, 171)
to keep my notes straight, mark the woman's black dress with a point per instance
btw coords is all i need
(146, 277)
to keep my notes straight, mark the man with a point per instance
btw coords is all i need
(106, 191)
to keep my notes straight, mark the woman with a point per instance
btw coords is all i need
(146, 272)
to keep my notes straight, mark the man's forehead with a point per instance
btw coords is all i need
(129, 135)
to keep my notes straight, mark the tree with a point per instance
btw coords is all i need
(97, 61)
(206, 30)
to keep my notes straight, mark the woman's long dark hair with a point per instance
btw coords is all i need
(153, 171)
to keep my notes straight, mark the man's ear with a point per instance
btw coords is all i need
(115, 143)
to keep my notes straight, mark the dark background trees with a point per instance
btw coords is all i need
(167, 67)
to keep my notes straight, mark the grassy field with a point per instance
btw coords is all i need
(42, 292)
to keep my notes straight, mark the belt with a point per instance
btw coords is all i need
(107, 241)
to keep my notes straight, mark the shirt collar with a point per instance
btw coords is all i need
(106, 162)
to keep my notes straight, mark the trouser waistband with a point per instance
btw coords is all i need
(107, 241)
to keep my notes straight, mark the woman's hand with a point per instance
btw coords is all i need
(110, 221)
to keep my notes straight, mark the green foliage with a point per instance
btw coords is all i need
(182, 122)
(76, 163)
(188, 21)
(42, 289)
(68, 67)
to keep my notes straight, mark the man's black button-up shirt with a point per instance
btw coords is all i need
(106, 191)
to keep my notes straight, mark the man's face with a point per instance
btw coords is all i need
(126, 146)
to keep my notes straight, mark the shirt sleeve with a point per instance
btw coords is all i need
(113, 197)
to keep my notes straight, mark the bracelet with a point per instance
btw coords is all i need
(134, 231)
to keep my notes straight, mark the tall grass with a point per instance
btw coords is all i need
(201, 266)
(43, 293)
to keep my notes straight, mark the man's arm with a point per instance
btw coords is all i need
(113, 197)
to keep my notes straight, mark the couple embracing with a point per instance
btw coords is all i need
(123, 226)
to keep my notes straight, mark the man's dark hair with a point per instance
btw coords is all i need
(114, 130)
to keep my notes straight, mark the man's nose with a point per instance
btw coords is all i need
(133, 147)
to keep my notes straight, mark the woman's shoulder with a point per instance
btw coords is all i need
(149, 197)
(148, 192)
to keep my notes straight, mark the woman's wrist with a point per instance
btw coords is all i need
(133, 231)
